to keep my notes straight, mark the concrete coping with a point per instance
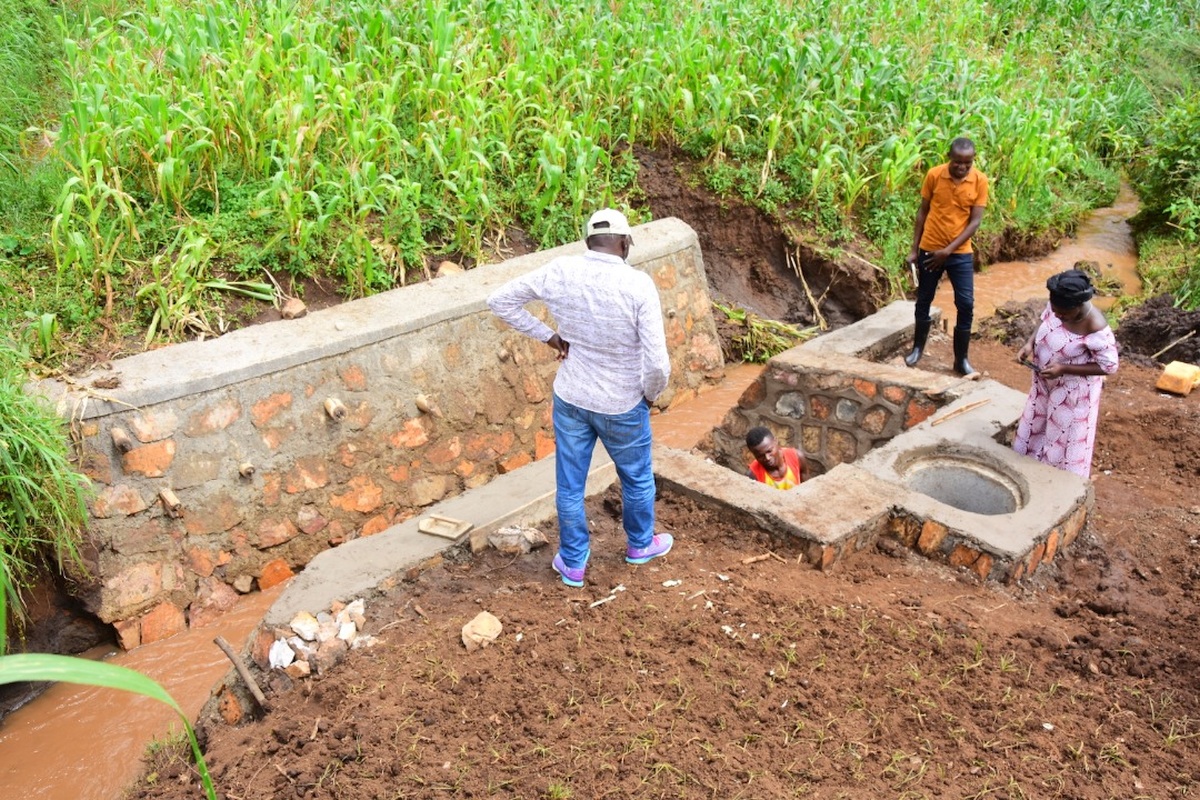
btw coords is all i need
(187, 368)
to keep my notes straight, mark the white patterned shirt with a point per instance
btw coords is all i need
(610, 314)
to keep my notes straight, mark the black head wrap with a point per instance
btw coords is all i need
(1070, 289)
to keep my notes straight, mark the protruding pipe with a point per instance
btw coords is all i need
(335, 409)
(245, 469)
(171, 503)
(426, 405)
(121, 439)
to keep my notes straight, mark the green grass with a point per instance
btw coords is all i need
(362, 140)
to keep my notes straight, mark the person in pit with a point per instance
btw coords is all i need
(778, 467)
(615, 363)
(1070, 352)
(953, 198)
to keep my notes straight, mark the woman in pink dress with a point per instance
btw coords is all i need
(1070, 353)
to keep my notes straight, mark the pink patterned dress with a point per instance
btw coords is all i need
(1058, 425)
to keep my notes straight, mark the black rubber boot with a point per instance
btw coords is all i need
(962, 342)
(920, 335)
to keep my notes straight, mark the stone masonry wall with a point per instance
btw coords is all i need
(225, 465)
(832, 408)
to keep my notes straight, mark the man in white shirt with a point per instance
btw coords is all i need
(614, 357)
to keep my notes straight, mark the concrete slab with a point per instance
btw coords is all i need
(523, 496)
(873, 337)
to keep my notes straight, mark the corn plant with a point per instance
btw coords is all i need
(21, 667)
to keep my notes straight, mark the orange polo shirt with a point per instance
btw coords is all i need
(950, 206)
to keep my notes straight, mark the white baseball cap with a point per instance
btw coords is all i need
(607, 220)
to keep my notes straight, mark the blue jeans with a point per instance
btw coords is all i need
(961, 269)
(626, 437)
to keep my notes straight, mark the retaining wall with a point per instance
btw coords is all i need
(282, 440)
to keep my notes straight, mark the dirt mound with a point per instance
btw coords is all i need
(1013, 323)
(1157, 323)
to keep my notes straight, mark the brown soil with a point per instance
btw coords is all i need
(887, 677)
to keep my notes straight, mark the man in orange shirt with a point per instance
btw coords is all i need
(777, 467)
(952, 201)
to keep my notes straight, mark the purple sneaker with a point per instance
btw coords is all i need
(571, 577)
(660, 545)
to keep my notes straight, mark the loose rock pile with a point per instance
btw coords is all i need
(315, 643)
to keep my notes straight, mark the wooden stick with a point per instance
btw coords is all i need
(963, 410)
(756, 559)
(794, 260)
(242, 671)
(1183, 338)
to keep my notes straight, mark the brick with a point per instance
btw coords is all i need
(932, 535)
(1036, 555)
(271, 487)
(895, 394)
(515, 462)
(376, 524)
(132, 587)
(217, 515)
(362, 495)
(260, 646)
(1052, 544)
(217, 417)
(488, 446)
(269, 407)
(347, 454)
(1018, 572)
(875, 420)
(308, 473)
(820, 407)
(152, 460)
(353, 378)
(274, 573)
(230, 707)
(154, 425)
(810, 438)
(129, 633)
(828, 556)
(445, 451)
(962, 556)
(753, 395)
(272, 532)
(982, 566)
(866, 389)
(452, 355)
(121, 499)
(412, 434)
(905, 529)
(361, 415)
(1074, 525)
(464, 469)
(336, 533)
(917, 412)
(398, 473)
(145, 535)
(162, 622)
(543, 444)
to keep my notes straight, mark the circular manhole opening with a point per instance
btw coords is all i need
(964, 484)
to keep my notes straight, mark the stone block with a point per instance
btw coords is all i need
(932, 536)
(846, 410)
(376, 524)
(962, 556)
(152, 426)
(310, 520)
(267, 409)
(362, 495)
(148, 535)
(152, 460)
(875, 420)
(216, 515)
(129, 633)
(274, 573)
(444, 451)
(214, 598)
(162, 622)
(428, 489)
(230, 707)
(215, 418)
(983, 566)
(790, 404)
(897, 395)
(820, 407)
(905, 530)
(272, 532)
(130, 588)
(96, 465)
(543, 445)
(274, 436)
(917, 412)
(353, 378)
(196, 469)
(121, 499)
(514, 462)
(753, 395)
(309, 473)
(840, 447)
(865, 388)
(411, 434)
(200, 561)
(810, 438)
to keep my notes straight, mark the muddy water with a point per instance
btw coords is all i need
(85, 743)
(684, 426)
(1103, 236)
